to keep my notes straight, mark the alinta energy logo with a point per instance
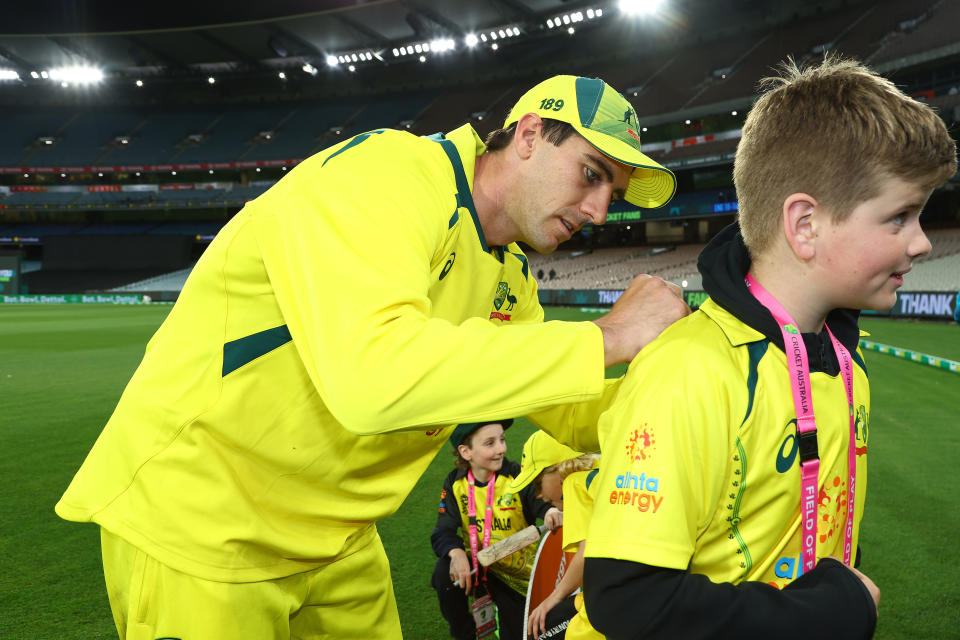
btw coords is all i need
(790, 328)
(641, 492)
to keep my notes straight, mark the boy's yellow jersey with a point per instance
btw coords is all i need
(579, 494)
(700, 464)
(315, 360)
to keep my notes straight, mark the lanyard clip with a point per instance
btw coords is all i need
(807, 443)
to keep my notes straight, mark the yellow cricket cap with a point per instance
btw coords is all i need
(609, 122)
(539, 452)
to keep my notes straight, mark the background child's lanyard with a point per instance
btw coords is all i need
(799, 366)
(487, 518)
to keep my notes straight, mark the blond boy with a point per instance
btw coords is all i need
(699, 529)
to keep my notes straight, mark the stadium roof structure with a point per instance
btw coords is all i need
(355, 46)
(326, 68)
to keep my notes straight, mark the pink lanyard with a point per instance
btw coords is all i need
(487, 518)
(799, 366)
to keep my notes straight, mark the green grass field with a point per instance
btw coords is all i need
(62, 369)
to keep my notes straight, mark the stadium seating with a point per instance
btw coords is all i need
(172, 281)
(615, 268)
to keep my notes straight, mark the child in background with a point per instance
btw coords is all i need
(565, 478)
(725, 505)
(482, 478)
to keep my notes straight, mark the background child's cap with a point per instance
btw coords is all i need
(539, 452)
(465, 429)
(609, 122)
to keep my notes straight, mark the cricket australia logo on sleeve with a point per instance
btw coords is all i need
(503, 300)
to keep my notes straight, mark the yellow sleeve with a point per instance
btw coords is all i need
(348, 251)
(666, 443)
(575, 425)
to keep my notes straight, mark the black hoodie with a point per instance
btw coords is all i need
(633, 600)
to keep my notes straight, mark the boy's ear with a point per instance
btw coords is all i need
(800, 225)
(528, 130)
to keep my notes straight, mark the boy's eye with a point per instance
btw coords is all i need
(900, 219)
(592, 176)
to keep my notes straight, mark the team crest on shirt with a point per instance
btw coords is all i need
(503, 300)
(503, 290)
(861, 427)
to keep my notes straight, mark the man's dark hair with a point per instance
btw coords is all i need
(553, 131)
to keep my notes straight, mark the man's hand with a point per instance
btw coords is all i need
(553, 518)
(646, 308)
(460, 569)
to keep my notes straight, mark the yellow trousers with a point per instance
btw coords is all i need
(351, 597)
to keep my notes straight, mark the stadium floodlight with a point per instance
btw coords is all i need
(34, 75)
(483, 37)
(282, 75)
(590, 14)
(639, 7)
(423, 58)
(211, 80)
(309, 68)
(550, 23)
(44, 75)
(571, 30)
(352, 68)
(76, 75)
(494, 46)
(644, 129)
(9, 74)
(733, 113)
(471, 40)
(139, 83)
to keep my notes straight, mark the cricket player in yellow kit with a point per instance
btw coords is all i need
(324, 346)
